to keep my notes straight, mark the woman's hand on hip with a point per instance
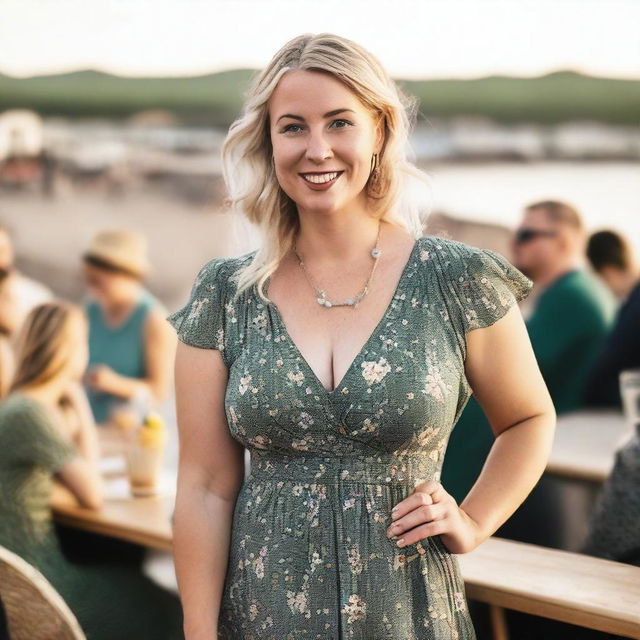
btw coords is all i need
(430, 511)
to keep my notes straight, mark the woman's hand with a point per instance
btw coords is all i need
(102, 378)
(430, 511)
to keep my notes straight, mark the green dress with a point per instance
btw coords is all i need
(309, 556)
(113, 601)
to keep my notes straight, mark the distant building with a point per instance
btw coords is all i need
(21, 133)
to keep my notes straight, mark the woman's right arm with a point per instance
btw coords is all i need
(81, 475)
(210, 473)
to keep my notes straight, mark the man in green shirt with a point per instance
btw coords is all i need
(572, 312)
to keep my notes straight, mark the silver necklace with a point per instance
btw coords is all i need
(321, 294)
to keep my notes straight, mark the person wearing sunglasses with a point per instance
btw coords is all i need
(574, 310)
(571, 316)
(569, 320)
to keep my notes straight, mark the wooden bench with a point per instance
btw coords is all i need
(569, 587)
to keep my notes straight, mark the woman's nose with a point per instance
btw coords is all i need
(317, 148)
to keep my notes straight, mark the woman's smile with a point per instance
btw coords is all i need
(321, 181)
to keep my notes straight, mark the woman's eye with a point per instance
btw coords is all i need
(287, 129)
(341, 120)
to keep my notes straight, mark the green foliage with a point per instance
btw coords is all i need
(216, 99)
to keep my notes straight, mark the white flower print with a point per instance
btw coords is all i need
(196, 308)
(297, 377)
(459, 600)
(373, 371)
(354, 560)
(260, 442)
(244, 384)
(436, 386)
(356, 609)
(298, 602)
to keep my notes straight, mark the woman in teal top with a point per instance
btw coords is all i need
(121, 348)
(130, 345)
(43, 436)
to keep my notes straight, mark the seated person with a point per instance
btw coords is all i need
(131, 346)
(571, 317)
(26, 292)
(612, 259)
(45, 437)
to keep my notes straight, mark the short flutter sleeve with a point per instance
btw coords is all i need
(200, 322)
(487, 285)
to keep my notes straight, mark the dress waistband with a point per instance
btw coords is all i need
(336, 469)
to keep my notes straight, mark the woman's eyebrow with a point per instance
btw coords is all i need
(335, 112)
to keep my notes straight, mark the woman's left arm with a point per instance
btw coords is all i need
(505, 377)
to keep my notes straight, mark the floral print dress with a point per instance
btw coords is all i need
(309, 557)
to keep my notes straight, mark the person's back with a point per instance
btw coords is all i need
(612, 258)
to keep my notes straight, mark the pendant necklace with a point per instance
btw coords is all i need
(321, 294)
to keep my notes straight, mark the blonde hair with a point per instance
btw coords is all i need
(45, 343)
(249, 174)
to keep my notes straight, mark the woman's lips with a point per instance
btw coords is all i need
(323, 186)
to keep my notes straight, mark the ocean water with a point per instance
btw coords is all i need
(607, 194)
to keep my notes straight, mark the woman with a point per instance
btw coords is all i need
(344, 387)
(45, 434)
(130, 345)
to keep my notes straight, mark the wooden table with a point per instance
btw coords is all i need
(560, 585)
(143, 520)
(585, 444)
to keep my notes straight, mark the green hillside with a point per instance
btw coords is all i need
(215, 99)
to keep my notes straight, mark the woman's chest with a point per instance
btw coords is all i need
(408, 371)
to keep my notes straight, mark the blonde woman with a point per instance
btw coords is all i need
(344, 383)
(46, 434)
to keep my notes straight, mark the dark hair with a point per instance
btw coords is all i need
(608, 248)
(560, 212)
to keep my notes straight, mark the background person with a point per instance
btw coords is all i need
(41, 443)
(131, 348)
(611, 257)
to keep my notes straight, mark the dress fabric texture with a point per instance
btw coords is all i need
(309, 556)
(112, 601)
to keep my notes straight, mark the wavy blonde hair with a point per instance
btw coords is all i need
(251, 182)
(45, 343)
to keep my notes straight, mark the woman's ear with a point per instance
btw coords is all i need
(380, 133)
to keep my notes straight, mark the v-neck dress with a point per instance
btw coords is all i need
(309, 557)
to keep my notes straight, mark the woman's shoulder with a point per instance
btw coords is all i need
(18, 404)
(449, 251)
(220, 272)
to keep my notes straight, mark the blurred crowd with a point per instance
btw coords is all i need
(66, 370)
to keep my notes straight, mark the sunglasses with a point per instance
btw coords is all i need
(526, 234)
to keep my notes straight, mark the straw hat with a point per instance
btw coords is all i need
(123, 248)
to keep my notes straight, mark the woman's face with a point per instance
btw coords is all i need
(103, 284)
(318, 126)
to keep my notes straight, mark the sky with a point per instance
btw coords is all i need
(413, 38)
